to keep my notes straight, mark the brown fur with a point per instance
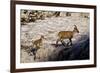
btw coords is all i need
(37, 43)
(67, 35)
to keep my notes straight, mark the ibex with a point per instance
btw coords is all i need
(67, 35)
(37, 43)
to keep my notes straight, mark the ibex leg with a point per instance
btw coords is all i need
(70, 41)
(57, 41)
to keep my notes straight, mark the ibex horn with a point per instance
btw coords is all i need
(75, 26)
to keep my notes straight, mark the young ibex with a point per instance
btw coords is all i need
(37, 43)
(67, 35)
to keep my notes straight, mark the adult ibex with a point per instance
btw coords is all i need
(67, 35)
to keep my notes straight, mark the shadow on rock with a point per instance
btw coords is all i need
(78, 51)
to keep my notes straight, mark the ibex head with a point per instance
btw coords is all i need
(76, 29)
(42, 37)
